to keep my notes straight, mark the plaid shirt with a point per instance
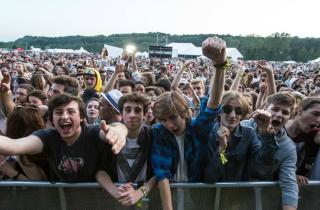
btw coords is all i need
(165, 151)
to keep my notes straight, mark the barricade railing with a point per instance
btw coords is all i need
(186, 196)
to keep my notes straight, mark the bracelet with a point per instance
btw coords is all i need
(16, 176)
(223, 157)
(5, 93)
(224, 65)
(144, 191)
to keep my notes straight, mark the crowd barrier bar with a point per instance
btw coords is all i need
(256, 186)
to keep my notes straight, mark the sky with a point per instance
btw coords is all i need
(55, 18)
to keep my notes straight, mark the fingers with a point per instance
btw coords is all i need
(118, 145)
(104, 126)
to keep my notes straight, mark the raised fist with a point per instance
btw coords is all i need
(215, 49)
(262, 119)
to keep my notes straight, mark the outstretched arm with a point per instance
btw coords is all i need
(115, 134)
(28, 145)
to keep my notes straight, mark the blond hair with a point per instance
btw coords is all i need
(170, 103)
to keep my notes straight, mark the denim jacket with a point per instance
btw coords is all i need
(243, 147)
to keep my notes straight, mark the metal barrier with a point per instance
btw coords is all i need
(186, 196)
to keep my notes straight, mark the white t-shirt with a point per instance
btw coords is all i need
(181, 173)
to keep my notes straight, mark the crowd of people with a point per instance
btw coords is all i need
(153, 121)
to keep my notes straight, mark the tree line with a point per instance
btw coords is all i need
(276, 47)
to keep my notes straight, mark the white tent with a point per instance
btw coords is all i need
(315, 60)
(81, 51)
(189, 49)
(234, 54)
(71, 51)
(36, 50)
(113, 51)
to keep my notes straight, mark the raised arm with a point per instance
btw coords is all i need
(175, 82)
(215, 49)
(6, 101)
(113, 78)
(271, 81)
(236, 81)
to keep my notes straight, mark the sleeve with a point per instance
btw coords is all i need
(287, 180)
(214, 168)
(204, 122)
(161, 156)
(43, 135)
(263, 151)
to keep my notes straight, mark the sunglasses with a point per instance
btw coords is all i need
(228, 109)
(89, 71)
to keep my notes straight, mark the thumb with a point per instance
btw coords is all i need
(104, 126)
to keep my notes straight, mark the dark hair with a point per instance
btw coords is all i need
(134, 97)
(37, 83)
(27, 87)
(38, 94)
(309, 103)
(282, 98)
(88, 94)
(23, 121)
(71, 85)
(63, 99)
(157, 91)
(126, 83)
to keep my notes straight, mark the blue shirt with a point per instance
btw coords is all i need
(165, 151)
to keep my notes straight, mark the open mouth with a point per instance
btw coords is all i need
(66, 127)
(315, 127)
(275, 123)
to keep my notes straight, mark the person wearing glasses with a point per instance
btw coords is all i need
(232, 146)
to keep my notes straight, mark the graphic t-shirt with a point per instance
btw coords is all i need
(78, 162)
(128, 162)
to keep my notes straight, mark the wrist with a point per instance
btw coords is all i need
(5, 93)
(144, 191)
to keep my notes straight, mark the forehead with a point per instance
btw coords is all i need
(21, 90)
(56, 86)
(234, 102)
(279, 106)
(131, 104)
(89, 76)
(32, 98)
(313, 108)
(94, 102)
(72, 105)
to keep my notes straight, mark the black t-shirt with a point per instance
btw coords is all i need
(78, 162)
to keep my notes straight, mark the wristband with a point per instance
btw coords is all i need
(223, 157)
(144, 191)
(224, 65)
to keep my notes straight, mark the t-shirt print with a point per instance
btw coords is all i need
(70, 165)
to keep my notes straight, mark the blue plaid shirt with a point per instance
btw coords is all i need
(165, 151)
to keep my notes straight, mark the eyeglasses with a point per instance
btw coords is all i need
(228, 109)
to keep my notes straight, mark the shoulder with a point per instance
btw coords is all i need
(45, 133)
